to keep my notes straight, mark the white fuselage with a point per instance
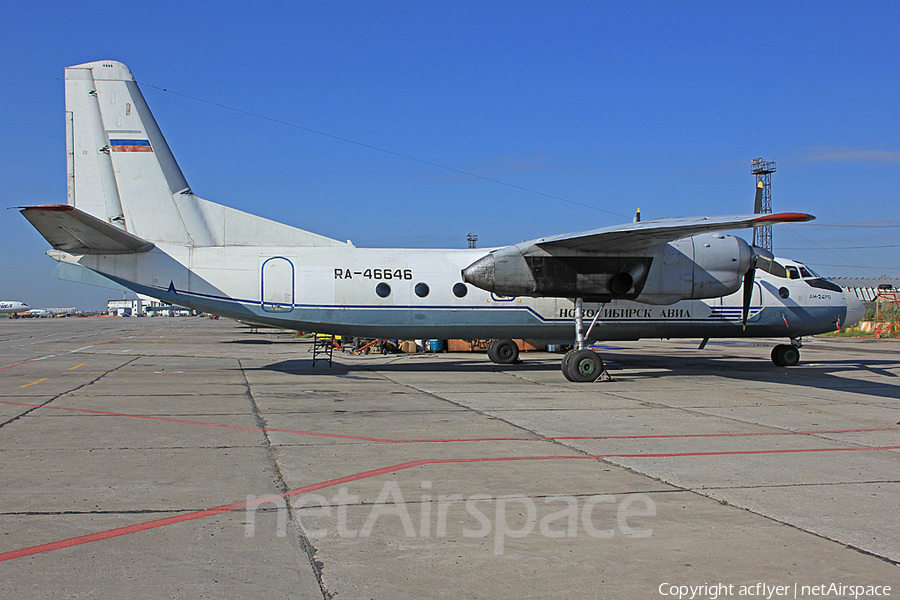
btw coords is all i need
(336, 290)
(12, 306)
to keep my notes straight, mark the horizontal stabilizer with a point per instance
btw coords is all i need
(76, 232)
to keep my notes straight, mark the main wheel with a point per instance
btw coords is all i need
(785, 355)
(583, 366)
(564, 365)
(503, 352)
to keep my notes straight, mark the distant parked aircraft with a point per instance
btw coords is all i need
(12, 306)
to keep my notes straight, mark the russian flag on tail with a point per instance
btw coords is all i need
(130, 146)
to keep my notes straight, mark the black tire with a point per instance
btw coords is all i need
(785, 355)
(503, 352)
(790, 356)
(490, 351)
(777, 357)
(564, 365)
(584, 366)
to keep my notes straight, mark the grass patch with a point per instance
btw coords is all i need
(849, 332)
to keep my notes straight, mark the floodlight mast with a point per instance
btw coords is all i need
(763, 169)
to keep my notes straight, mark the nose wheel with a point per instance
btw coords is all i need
(785, 355)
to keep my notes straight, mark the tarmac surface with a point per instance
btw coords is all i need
(191, 458)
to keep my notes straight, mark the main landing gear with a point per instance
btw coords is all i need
(787, 355)
(581, 364)
(503, 352)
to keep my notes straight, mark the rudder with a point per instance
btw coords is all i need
(121, 169)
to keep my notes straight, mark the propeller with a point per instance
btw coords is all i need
(749, 276)
(759, 259)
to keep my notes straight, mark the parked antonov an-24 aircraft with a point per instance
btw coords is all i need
(132, 219)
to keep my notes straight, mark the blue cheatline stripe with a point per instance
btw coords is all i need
(129, 142)
(528, 309)
(170, 291)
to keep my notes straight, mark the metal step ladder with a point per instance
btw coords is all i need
(323, 348)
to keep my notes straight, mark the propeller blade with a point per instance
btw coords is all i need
(757, 203)
(748, 294)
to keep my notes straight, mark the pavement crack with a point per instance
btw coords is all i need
(537, 436)
(699, 412)
(791, 485)
(283, 488)
(74, 389)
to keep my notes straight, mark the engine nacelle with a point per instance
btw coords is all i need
(703, 266)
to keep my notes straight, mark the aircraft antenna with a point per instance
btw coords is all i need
(763, 169)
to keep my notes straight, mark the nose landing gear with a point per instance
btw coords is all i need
(787, 355)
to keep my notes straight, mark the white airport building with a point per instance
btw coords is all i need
(145, 306)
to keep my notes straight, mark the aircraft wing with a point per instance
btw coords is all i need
(634, 236)
(76, 232)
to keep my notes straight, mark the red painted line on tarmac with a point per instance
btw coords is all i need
(192, 516)
(200, 514)
(110, 533)
(451, 440)
(19, 364)
(187, 422)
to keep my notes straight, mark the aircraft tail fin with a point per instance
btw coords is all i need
(121, 170)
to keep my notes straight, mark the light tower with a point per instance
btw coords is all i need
(763, 169)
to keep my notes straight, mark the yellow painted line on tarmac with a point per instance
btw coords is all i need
(76, 367)
(34, 382)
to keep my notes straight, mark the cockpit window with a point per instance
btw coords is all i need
(793, 273)
(769, 265)
(804, 272)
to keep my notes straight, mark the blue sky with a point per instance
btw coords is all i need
(606, 107)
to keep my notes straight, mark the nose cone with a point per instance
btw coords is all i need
(855, 309)
(481, 273)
